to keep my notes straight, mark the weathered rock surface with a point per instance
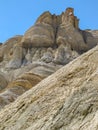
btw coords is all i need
(49, 31)
(16, 87)
(66, 100)
(94, 33)
(43, 41)
(52, 42)
(3, 81)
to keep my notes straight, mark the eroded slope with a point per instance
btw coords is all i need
(66, 100)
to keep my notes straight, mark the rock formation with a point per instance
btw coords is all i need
(66, 100)
(49, 31)
(52, 42)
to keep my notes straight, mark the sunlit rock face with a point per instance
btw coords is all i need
(42, 34)
(52, 42)
(49, 31)
(8, 50)
(66, 100)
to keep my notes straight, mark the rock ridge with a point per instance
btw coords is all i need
(52, 42)
(68, 99)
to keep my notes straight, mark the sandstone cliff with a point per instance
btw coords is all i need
(66, 100)
(52, 42)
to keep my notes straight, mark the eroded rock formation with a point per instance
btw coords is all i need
(53, 41)
(66, 100)
(49, 31)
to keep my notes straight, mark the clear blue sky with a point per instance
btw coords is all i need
(16, 16)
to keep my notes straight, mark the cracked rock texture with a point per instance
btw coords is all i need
(66, 100)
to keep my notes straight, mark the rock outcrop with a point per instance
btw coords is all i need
(52, 42)
(16, 87)
(68, 99)
(49, 31)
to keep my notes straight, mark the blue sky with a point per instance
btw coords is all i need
(16, 16)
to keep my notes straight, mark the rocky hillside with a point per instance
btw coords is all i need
(66, 100)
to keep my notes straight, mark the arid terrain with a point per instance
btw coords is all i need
(48, 76)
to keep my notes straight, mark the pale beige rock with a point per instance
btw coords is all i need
(66, 100)
(17, 87)
(23, 79)
(63, 54)
(52, 42)
(40, 35)
(48, 56)
(16, 60)
(68, 18)
(7, 48)
(26, 80)
(46, 17)
(91, 36)
(48, 31)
